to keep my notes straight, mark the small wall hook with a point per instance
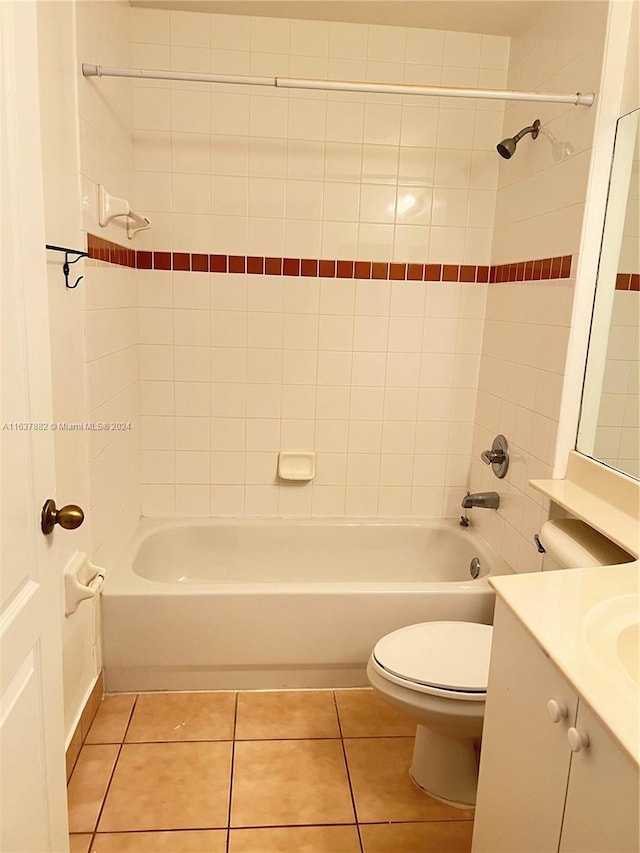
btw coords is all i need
(67, 261)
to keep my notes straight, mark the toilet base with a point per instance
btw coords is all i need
(445, 767)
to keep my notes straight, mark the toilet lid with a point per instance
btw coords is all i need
(449, 655)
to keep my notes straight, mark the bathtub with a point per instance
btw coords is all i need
(205, 604)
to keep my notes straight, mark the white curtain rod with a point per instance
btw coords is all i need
(583, 99)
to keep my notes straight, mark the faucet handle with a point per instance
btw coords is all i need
(491, 456)
(498, 456)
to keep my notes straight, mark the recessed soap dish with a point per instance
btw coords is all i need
(296, 466)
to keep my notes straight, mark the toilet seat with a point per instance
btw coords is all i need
(441, 658)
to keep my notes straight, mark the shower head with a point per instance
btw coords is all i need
(507, 148)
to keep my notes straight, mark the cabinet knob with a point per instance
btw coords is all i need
(557, 710)
(577, 740)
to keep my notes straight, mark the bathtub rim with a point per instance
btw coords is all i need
(122, 579)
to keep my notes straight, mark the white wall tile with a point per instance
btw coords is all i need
(228, 468)
(157, 501)
(192, 364)
(193, 433)
(348, 41)
(332, 402)
(192, 399)
(328, 501)
(192, 500)
(367, 403)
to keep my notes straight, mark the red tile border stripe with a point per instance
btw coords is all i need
(541, 269)
(628, 281)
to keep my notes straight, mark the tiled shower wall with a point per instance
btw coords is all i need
(539, 211)
(378, 377)
(108, 293)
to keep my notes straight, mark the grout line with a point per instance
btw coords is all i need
(346, 764)
(251, 740)
(233, 758)
(197, 828)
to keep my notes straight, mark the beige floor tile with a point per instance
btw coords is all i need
(88, 785)
(110, 723)
(169, 786)
(432, 837)
(382, 788)
(194, 841)
(288, 714)
(79, 843)
(303, 839)
(363, 713)
(182, 716)
(279, 783)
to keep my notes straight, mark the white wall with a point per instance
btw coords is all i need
(539, 213)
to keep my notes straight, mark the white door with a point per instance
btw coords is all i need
(32, 773)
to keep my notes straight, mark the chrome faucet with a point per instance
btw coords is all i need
(488, 500)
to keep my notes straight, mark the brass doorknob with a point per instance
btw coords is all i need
(69, 517)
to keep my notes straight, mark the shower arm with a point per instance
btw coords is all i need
(533, 129)
(580, 98)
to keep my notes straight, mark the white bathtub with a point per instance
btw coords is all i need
(213, 604)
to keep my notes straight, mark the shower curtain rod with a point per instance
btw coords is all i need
(584, 99)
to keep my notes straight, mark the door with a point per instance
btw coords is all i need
(32, 773)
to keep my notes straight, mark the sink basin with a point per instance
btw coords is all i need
(629, 650)
(612, 632)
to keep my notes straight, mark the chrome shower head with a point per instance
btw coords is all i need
(507, 148)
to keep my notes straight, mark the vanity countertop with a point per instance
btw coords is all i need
(587, 621)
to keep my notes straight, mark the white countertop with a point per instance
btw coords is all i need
(575, 615)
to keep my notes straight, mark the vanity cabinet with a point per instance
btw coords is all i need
(603, 797)
(535, 794)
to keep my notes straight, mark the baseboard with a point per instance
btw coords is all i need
(82, 729)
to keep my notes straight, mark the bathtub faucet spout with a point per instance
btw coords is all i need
(488, 500)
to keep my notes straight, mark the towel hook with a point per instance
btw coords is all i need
(67, 261)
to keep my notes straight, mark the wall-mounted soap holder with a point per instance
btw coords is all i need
(110, 207)
(82, 580)
(296, 467)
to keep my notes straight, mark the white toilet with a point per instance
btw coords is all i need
(437, 672)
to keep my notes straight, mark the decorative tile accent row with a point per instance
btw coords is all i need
(111, 253)
(538, 270)
(628, 281)
(535, 270)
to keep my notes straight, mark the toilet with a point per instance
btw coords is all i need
(437, 672)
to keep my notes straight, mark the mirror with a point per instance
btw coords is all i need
(609, 419)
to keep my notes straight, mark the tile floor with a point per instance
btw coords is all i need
(254, 772)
